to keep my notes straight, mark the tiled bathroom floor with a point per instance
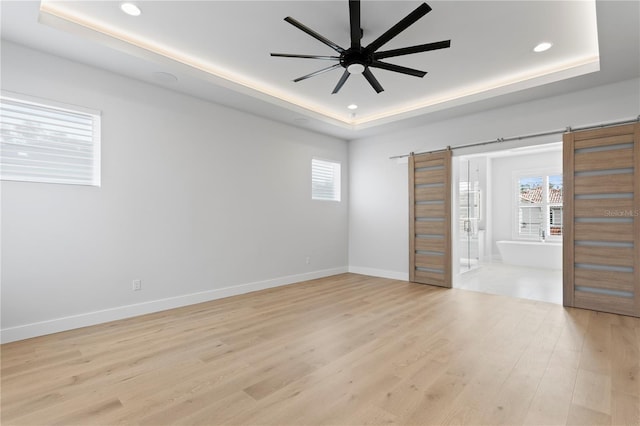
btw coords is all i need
(516, 281)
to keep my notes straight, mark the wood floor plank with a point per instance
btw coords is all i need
(595, 355)
(206, 408)
(625, 409)
(625, 377)
(593, 391)
(343, 350)
(582, 416)
(551, 403)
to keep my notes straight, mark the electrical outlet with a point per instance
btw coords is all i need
(307, 260)
(137, 285)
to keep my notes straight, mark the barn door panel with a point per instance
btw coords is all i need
(602, 219)
(430, 218)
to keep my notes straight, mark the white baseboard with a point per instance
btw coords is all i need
(394, 275)
(41, 328)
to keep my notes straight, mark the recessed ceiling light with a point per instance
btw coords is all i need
(353, 106)
(542, 47)
(130, 9)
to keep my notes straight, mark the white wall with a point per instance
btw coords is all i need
(502, 192)
(378, 210)
(197, 200)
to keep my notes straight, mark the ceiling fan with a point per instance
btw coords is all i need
(358, 59)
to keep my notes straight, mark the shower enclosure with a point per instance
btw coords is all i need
(471, 220)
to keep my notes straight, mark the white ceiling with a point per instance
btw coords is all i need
(219, 50)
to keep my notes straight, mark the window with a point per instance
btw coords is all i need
(539, 206)
(325, 180)
(46, 142)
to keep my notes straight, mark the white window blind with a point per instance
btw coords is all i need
(43, 142)
(325, 180)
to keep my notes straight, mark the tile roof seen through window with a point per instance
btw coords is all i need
(534, 195)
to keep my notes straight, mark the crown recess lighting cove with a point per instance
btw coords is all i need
(542, 47)
(130, 9)
(101, 21)
(352, 106)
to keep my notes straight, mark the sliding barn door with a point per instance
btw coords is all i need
(601, 219)
(430, 218)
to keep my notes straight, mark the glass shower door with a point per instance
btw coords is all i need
(470, 212)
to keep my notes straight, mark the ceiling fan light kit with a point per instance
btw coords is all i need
(358, 59)
(355, 68)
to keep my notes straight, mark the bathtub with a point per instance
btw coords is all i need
(534, 254)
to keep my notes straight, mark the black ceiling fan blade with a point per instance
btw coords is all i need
(354, 23)
(413, 49)
(293, 55)
(372, 80)
(404, 23)
(314, 34)
(304, 77)
(341, 82)
(398, 68)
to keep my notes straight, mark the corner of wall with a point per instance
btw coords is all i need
(381, 273)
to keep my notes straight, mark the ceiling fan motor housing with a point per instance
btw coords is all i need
(356, 56)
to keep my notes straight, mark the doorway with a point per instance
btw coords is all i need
(508, 233)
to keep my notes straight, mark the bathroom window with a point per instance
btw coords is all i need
(539, 206)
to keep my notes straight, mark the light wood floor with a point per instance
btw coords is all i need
(344, 350)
